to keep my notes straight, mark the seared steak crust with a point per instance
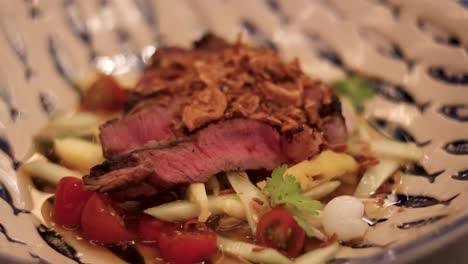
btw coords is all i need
(224, 81)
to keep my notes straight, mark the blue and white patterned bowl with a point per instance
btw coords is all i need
(416, 50)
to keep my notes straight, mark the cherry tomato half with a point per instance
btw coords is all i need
(149, 230)
(101, 222)
(69, 202)
(278, 229)
(184, 247)
(105, 94)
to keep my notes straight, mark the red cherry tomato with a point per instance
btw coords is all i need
(149, 230)
(184, 247)
(278, 229)
(101, 222)
(69, 202)
(105, 94)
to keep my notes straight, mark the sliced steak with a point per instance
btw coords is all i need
(214, 108)
(333, 123)
(301, 143)
(221, 80)
(149, 126)
(237, 144)
(134, 192)
(334, 129)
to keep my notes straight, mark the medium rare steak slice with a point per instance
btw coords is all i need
(301, 143)
(213, 108)
(334, 129)
(237, 144)
(152, 125)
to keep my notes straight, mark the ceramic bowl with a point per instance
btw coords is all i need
(416, 51)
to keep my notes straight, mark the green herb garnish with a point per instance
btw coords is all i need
(285, 190)
(304, 225)
(357, 89)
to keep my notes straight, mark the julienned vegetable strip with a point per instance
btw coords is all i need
(197, 194)
(387, 149)
(318, 256)
(322, 190)
(252, 198)
(251, 252)
(213, 185)
(393, 149)
(375, 176)
(75, 122)
(48, 171)
(363, 130)
(78, 153)
(184, 210)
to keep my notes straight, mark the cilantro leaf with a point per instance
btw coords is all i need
(304, 225)
(284, 189)
(356, 88)
(279, 171)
